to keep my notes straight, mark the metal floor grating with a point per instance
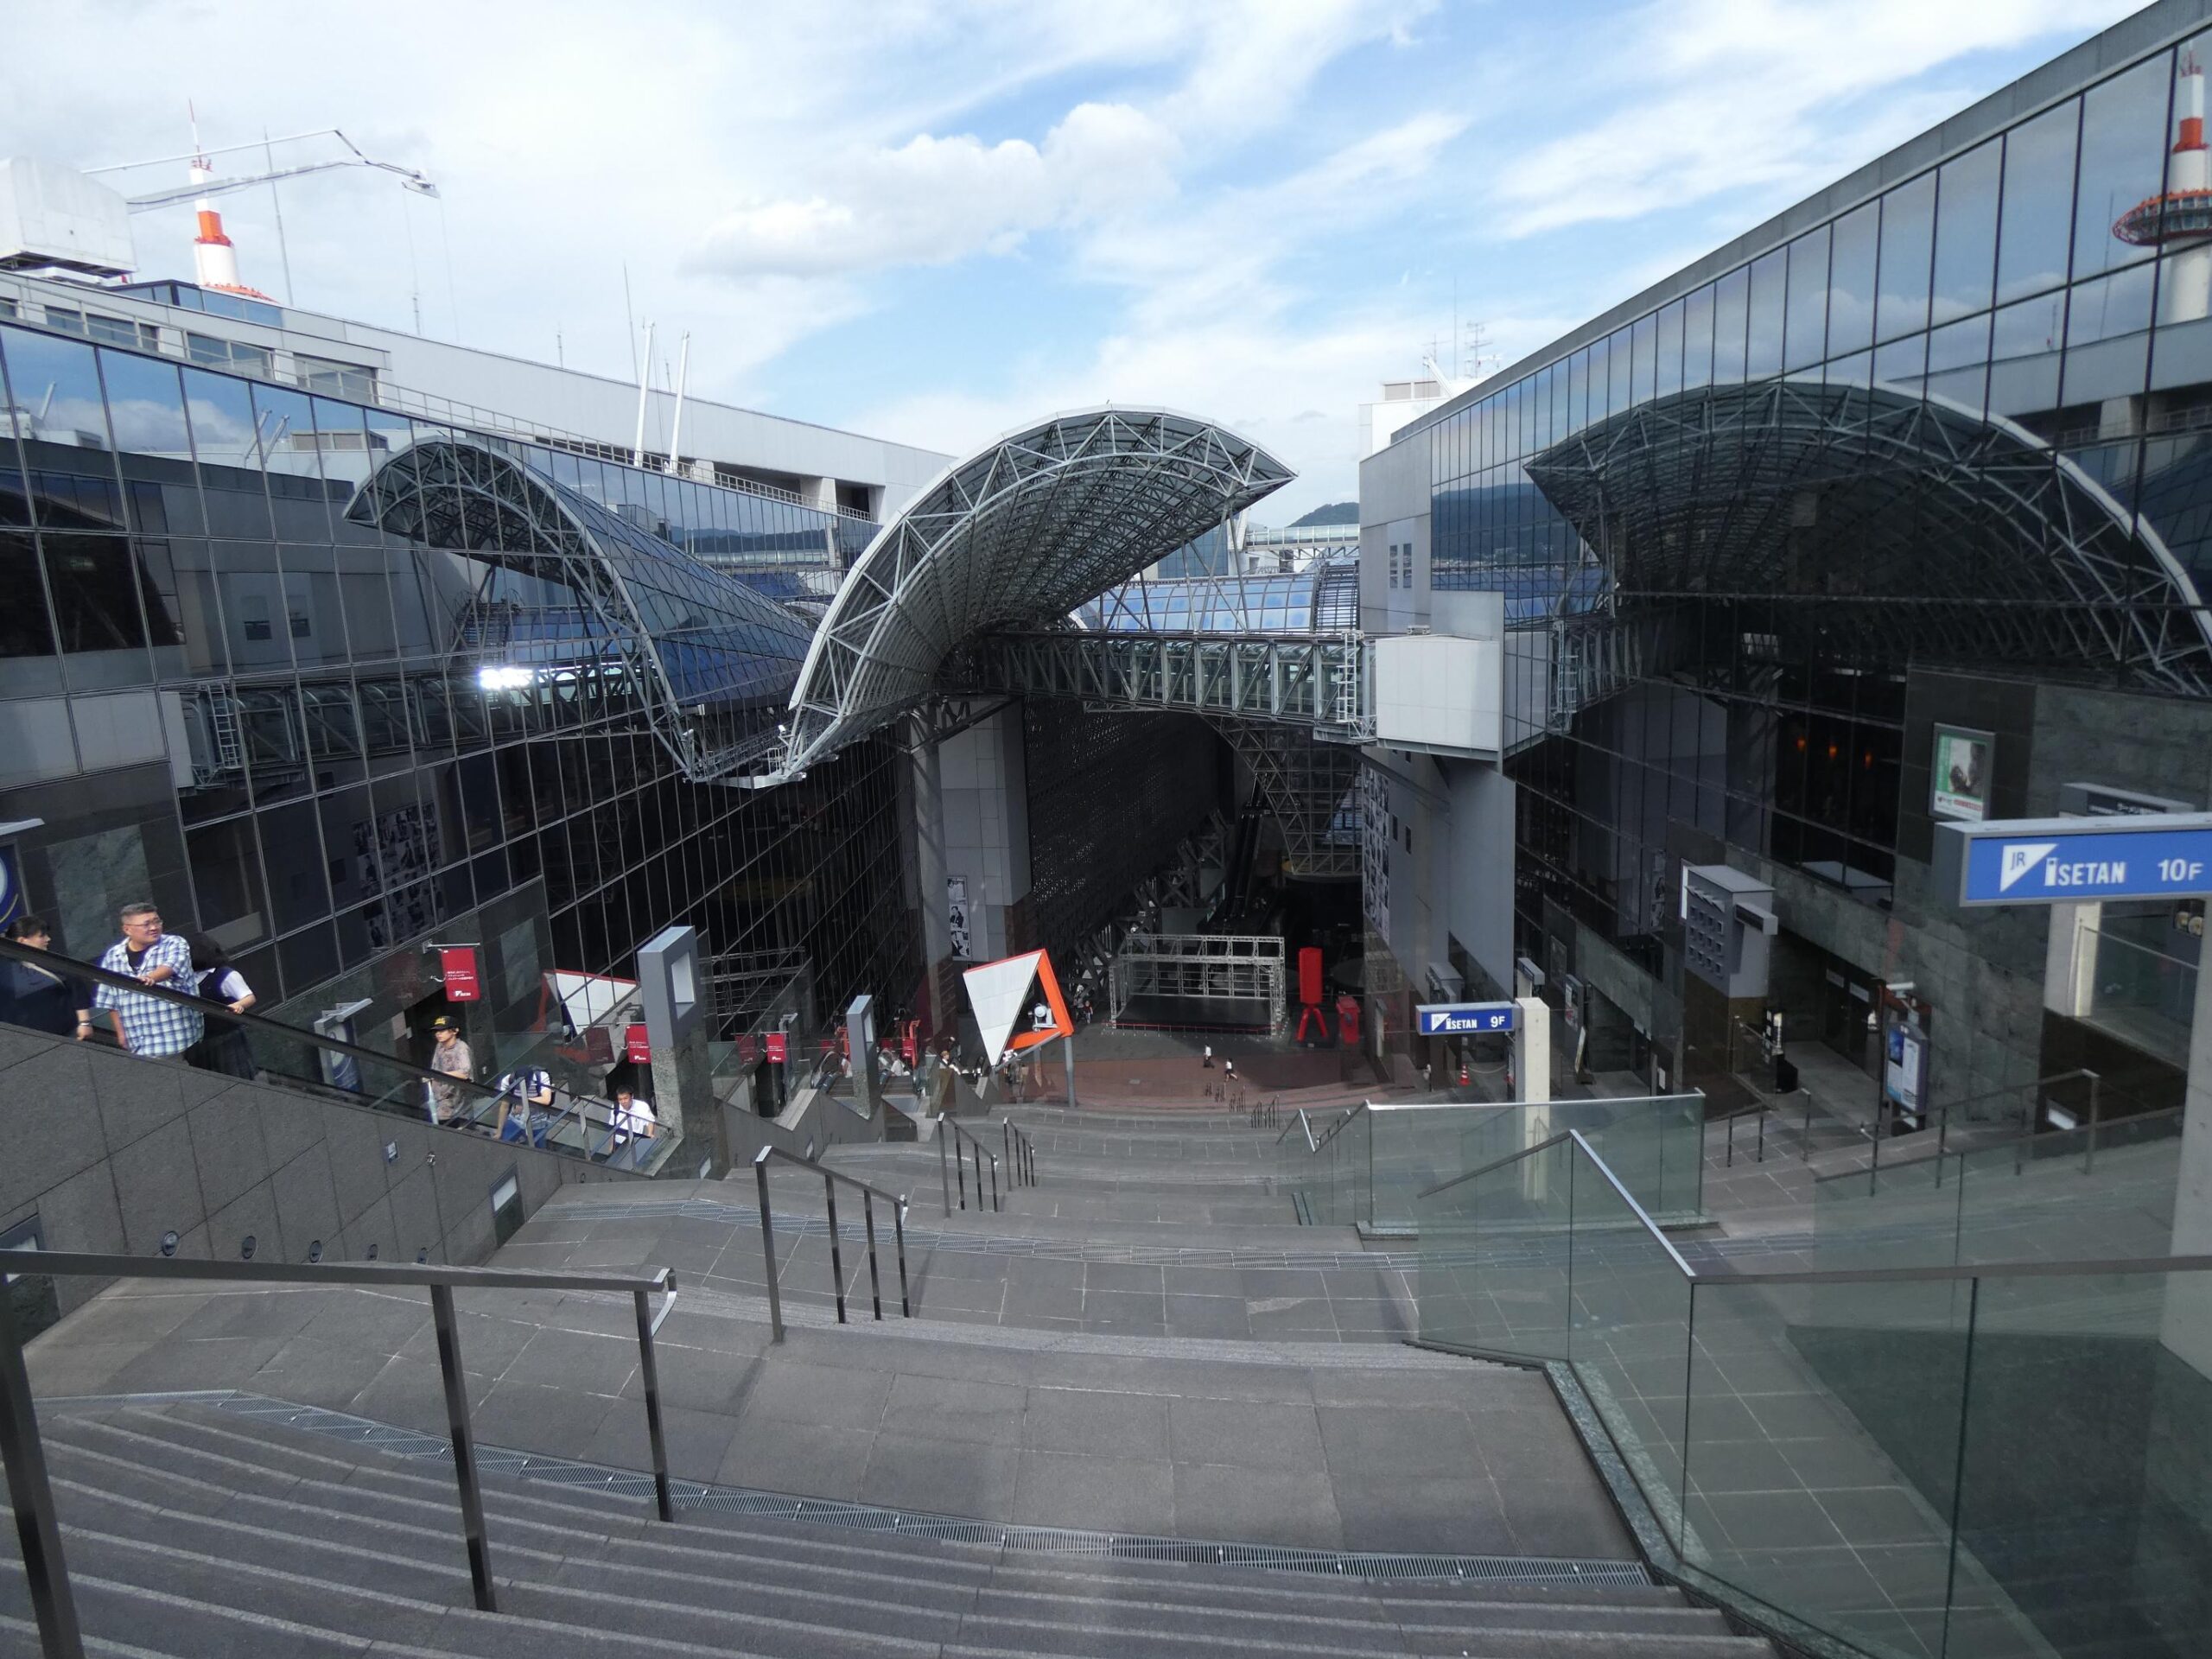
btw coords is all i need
(910, 1523)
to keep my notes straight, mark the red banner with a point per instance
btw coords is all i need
(778, 1049)
(638, 1045)
(599, 1046)
(458, 964)
(748, 1048)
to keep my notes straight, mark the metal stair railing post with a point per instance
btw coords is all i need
(836, 1254)
(31, 1493)
(30, 1496)
(868, 1194)
(944, 1177)
(898, 1233)
(464, 1450)
(995, 1205)
(874, 1281)
(768, 1247)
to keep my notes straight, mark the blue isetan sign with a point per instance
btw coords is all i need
(2066, 861)
(1463, 1018)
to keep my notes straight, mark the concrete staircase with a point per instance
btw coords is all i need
(188, 1534)
(1059, 1485)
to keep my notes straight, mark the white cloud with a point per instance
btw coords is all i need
(932, 199)
(1697, 99)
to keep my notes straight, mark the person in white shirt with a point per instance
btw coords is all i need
(632, 1121)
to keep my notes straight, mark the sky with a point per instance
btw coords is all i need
(935, 221)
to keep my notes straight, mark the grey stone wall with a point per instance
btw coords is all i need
(109, 1152)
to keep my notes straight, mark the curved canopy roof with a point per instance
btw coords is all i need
(1016, 536)
(1969, 535)
(710, 658)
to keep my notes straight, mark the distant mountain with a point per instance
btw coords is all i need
(1335, 512)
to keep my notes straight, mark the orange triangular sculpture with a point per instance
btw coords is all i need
(1001, 992)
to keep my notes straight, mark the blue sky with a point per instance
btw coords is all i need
(934, 220)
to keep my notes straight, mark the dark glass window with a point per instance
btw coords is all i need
(1730, 312)
(2124, 142)
(2038, 219)
(25, 629)
(1908, 244)
(1763, 353)
(56, 388)
(1697, 338)
(1808, 305)
(1851, 279)
(1966, 233)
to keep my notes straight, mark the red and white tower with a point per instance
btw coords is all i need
(214, 261)
(2180, 220)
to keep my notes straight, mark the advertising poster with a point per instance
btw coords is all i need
(1958, 777)
(956, 905)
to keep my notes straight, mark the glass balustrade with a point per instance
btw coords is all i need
(2003, 1460)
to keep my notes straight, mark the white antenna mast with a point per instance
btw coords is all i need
(645, 379)
(676, 428)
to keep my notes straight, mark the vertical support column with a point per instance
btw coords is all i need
(929, 871)
(649, 1379)
(464, 1448)
(1532, 1050)
(38, 1533)
(768, 1248)
(672, 982)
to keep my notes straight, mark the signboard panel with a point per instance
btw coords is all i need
(1958, 773)
(457, 964)
(638, 1044)
(2074, 861)
(1463, 1018)
(778, 1048)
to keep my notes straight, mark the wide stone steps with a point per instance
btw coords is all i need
(188, 1534)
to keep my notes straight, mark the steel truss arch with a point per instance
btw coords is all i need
(1016, 536)
(1950, 531)
(709, 659)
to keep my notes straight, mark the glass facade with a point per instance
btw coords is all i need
(1322, 598)
(1965, 423)
(322, 721)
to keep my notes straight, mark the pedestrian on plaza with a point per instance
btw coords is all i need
(632, 1121)
(1207, 1061)
(525, 1105)
(222, 1047)
(153, 1027)
(452, 1058)
(42, 998)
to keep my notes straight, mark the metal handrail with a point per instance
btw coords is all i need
(488, 1097)
(982, 1152)
(1943, 1110)
(1021, 1156)
(868, 1196)
(31, 1493)
(1729, 1273)
(2019, 1143)
(1300, 1119)
(1265, 1114)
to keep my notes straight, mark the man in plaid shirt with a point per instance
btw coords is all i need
(146, 1025)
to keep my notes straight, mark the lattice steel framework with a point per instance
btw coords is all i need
(1306, 787)
(1305, 680)
(708, 658)
(1952, 536)
(1219, 967)
(1015, 536)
